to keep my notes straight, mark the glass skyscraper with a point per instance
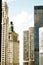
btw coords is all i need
(38, 22)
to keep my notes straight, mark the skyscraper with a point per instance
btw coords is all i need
(38, 22)
(4, 35)
(38, 16)
(31, 46)
(28, 42)
(41, 46)
(9, 40)
(13, 47)
(26, 48)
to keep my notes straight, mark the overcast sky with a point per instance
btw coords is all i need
(21, 12)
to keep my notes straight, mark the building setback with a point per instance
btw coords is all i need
(13, 47)
(38, 22)
(28, 43)
(41, 46)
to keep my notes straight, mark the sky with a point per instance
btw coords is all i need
(21, 12)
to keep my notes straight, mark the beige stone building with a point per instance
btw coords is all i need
(9, 40)
(4, 35)
(13, 47)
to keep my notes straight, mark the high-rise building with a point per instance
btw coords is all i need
(28, 41)
(4, 35)
(38, 16)
(9, 40)
(41, 46)
(38, 22)
(13, 47)
(26, 48)
(31, 46)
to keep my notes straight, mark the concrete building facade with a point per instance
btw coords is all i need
(4, 35)
(29, 46)
(41, 46)
(38, 22)
(26, 48)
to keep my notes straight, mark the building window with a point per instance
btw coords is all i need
(26, 63)
(9, 36)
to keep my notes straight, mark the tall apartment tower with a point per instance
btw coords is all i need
(38, 22)
(31, 46)
(41, 46)
(28, 41)
(13, 47)
(26, 48)
(4, 35)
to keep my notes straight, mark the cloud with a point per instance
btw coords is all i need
(23, 20)
(19, 18)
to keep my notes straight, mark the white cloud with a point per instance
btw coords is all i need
(23, 19)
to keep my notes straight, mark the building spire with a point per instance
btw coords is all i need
(11, 26)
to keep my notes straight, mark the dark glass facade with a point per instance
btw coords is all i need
(38, 16)
(38, 22)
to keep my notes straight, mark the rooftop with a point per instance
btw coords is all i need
(38, 7)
